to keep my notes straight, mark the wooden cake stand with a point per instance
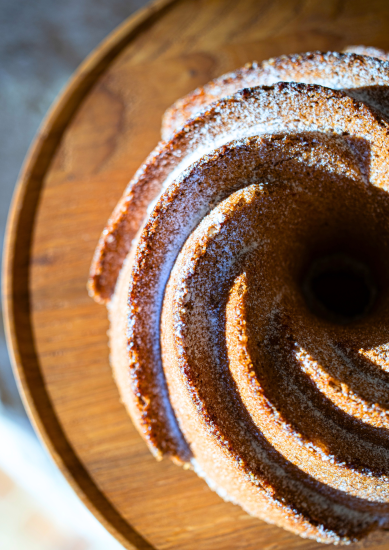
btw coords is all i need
(97, 134)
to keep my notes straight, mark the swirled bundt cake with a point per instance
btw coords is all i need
(245, 272)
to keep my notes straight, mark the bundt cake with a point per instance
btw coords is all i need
(245, 273)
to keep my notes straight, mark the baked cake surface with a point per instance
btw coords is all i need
(362, 77)
(223, 355)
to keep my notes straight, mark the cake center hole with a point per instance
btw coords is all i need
(339, 288)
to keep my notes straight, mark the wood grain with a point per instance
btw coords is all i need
(91, 143)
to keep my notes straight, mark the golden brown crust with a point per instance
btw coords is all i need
(335, 70)
(369, 51)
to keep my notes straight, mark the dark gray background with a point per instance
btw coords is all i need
(41, 43)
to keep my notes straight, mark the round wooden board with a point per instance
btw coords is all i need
(95, 137)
